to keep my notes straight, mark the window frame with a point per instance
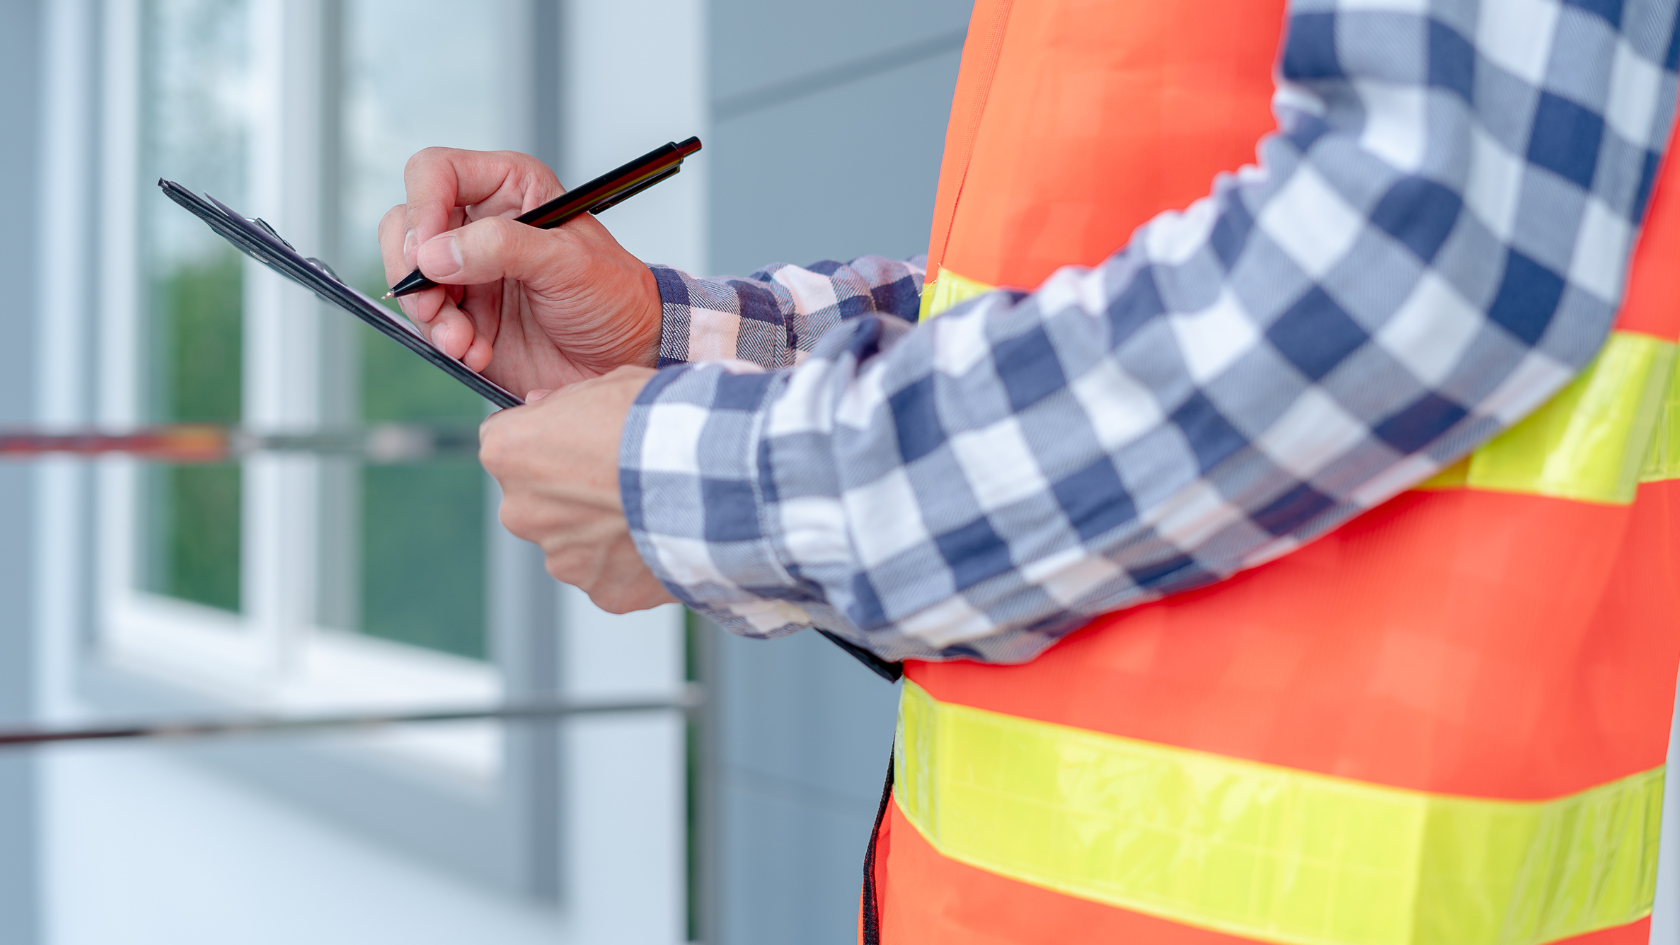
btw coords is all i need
(561, 806)
(273, 655)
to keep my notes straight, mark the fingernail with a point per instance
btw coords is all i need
(411, 245)
(407, 309)
(440, 339)
(443, 257)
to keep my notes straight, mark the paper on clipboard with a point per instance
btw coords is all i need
(256, 239)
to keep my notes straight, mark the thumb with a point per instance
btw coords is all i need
(487, 250)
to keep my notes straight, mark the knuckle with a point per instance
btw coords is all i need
(500, 233)
(484, 240)
(563, 562)
(622, 597)
(520, 519)
(391, 235)
(556, 569)
(492, 453)
(538, 178)
(426, 157)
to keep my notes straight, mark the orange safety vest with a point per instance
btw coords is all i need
(1444, 722)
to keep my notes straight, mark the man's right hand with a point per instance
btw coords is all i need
(530, 309)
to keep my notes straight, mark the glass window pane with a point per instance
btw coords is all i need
(195, 122)
(422, 527)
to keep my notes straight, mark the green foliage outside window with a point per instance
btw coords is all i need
(193, 129)
(195, 529)
(423, 528)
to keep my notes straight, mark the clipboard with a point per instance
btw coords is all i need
(256, 239)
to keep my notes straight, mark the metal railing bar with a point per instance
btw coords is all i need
(219, 443)
(687, 699)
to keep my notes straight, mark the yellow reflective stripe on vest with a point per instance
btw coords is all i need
(1616, 425)
(1662, 460)
(1266, 852)
(947, 290)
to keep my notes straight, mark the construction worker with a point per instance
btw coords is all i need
(1279, 548)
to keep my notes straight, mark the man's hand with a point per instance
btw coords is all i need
(557, 461)
(529, 308)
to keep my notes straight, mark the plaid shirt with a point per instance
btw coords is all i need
(1433, 242)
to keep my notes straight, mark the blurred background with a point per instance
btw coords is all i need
(299, 583)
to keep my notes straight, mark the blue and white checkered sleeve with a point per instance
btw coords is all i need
(1433, 242)
(774, 317)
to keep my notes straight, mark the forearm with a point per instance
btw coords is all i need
(776, 315)
(1403, 277)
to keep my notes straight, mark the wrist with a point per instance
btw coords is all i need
(644, 351)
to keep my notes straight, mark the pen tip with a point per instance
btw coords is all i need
(388, 295)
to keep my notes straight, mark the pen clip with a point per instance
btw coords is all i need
(644, 185)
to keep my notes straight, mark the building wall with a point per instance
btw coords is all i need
(827, 127)
(20, 23)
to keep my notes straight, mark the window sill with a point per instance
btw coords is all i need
(220, 658)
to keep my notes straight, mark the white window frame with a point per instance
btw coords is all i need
(589, 813)
(272, 656)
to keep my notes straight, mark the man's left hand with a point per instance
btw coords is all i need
(557, 461)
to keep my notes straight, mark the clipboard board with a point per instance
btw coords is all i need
(256, 239)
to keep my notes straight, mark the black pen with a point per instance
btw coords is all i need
(619, 184)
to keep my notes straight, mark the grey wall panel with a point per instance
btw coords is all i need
(838, 174)
(805, 743)
(828, 122)
(759, 43)
(803, 892)
(805, 732)
(20, 77)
